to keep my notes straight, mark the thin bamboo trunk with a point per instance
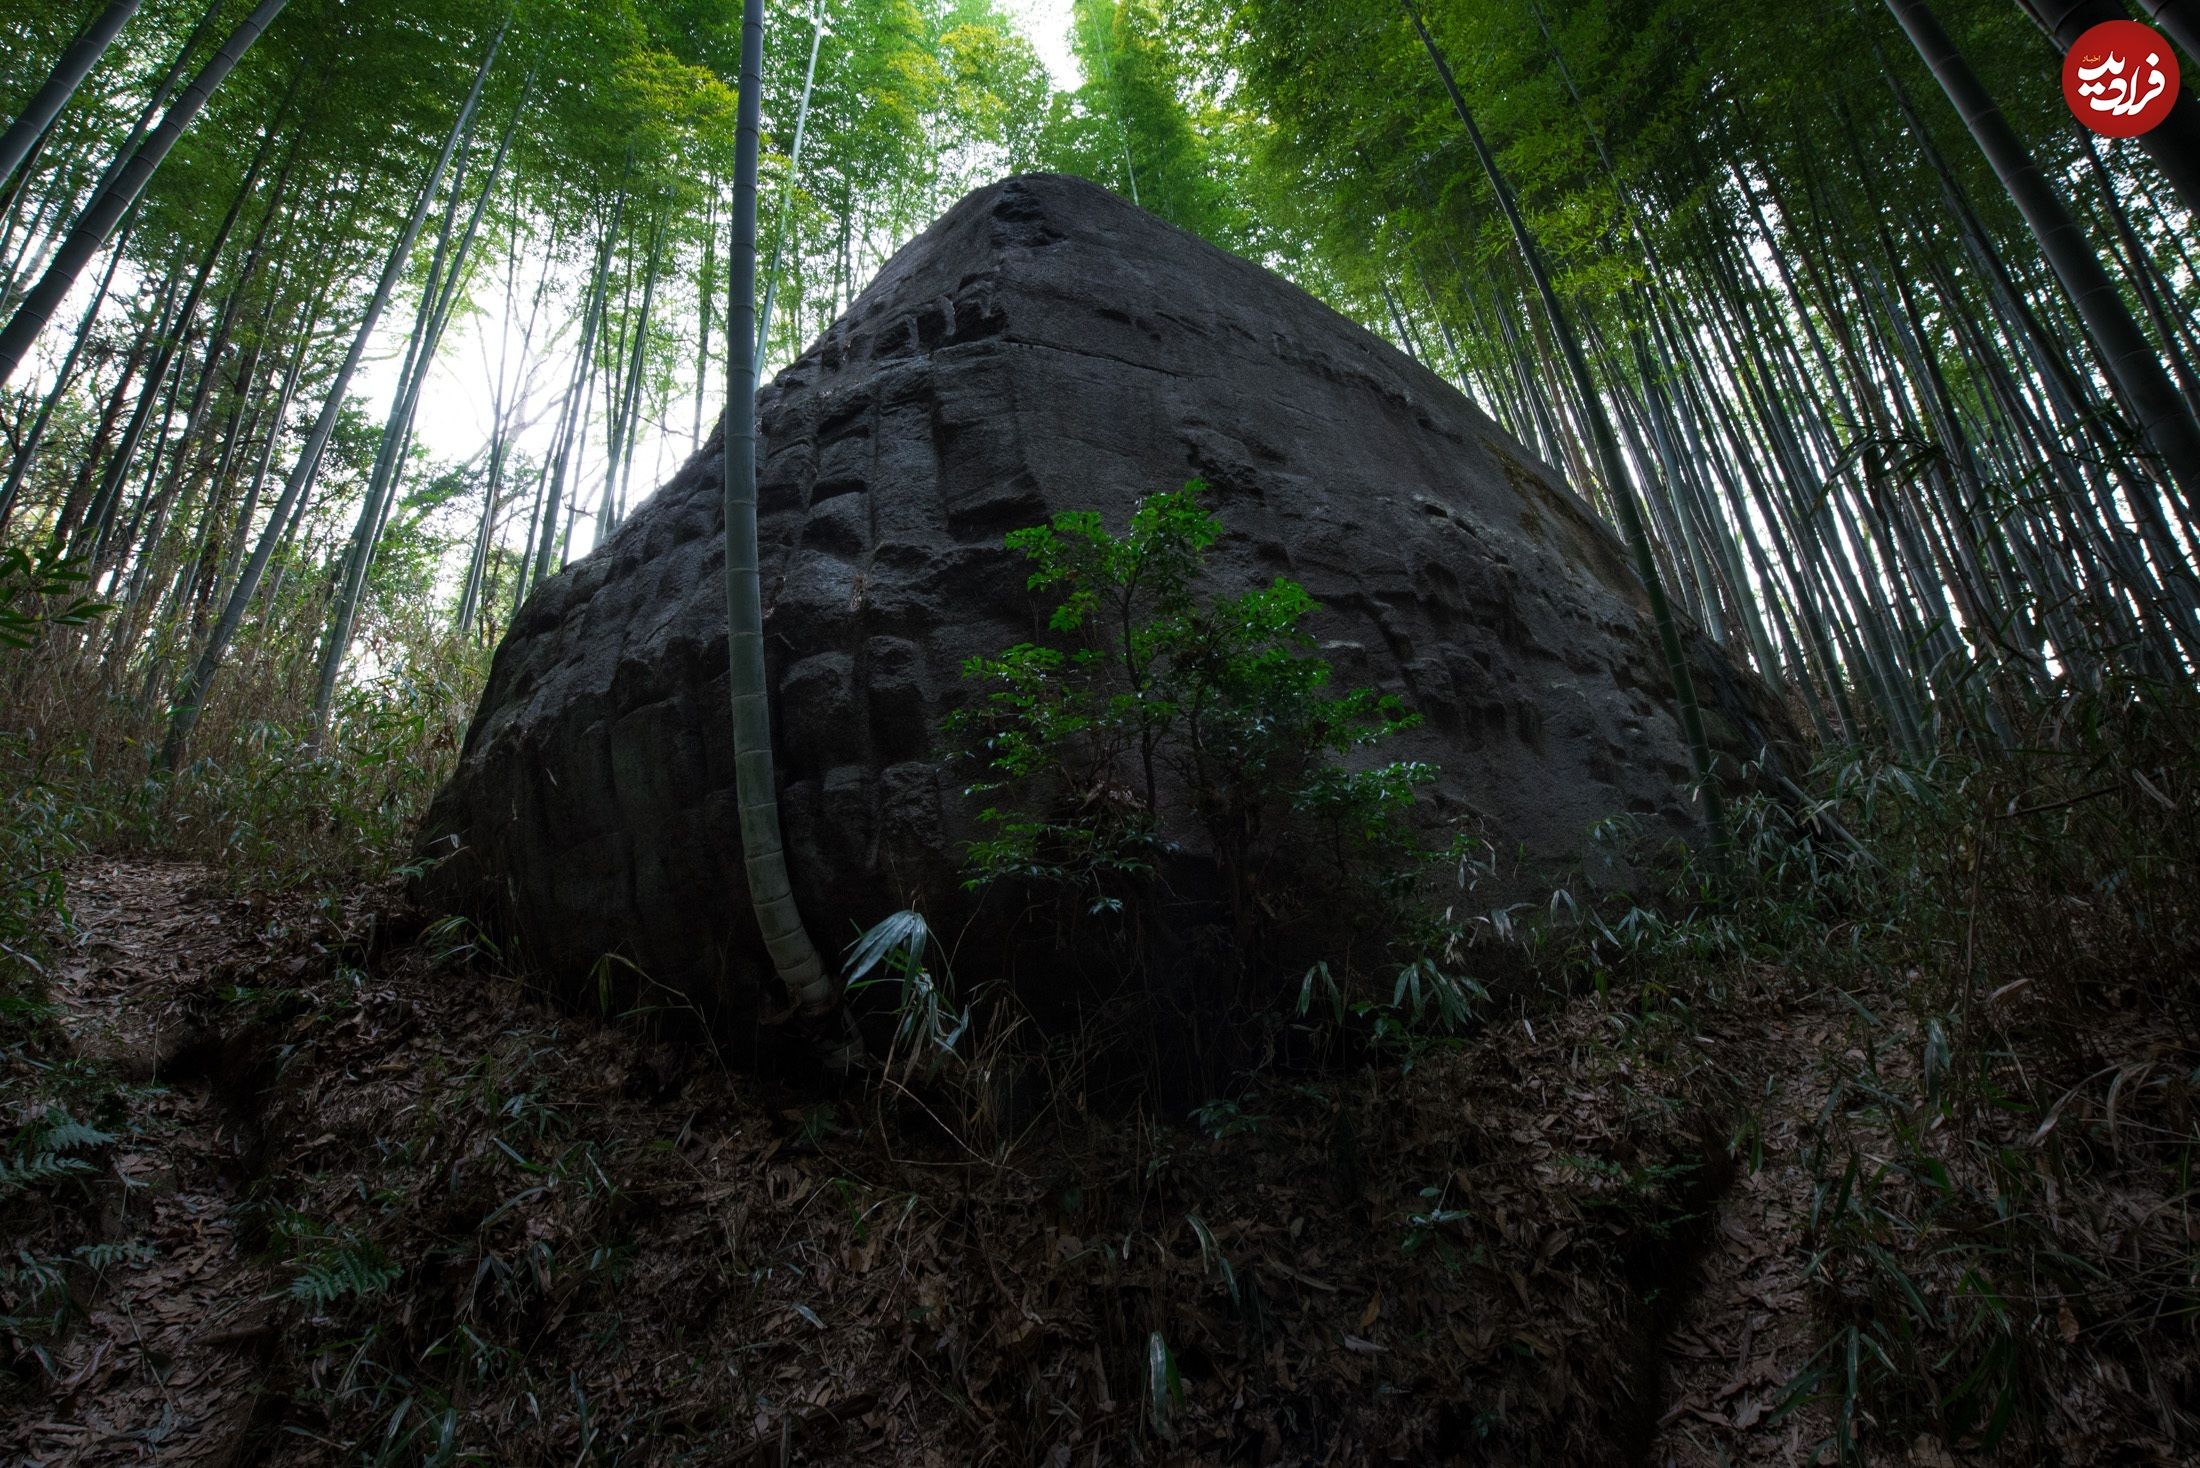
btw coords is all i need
(506, 402)
(2174, 142)
(191, 696)
(702, 330)
(2165, 422)
(636, 379)
(27, 449)
(68, 74)
(1619, 484)
(437, 302)
(786, 192)
(763, 855)
(101, 216)
(238, 537)
(577, 396)
(99, 519)
(74, 503)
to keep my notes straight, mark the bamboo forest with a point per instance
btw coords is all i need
(1099, 732)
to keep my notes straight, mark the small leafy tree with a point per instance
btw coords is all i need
(1154, 699)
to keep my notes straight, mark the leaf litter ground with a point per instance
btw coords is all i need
(368, 1205)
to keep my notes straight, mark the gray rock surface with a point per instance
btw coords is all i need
(1043, 346)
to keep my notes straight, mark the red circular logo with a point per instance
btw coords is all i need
(2120, 78)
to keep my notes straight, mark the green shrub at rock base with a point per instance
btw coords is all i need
(1157, 709)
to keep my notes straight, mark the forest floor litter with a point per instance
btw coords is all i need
(364, 1202)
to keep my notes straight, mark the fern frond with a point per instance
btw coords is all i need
(64, 1133)
(40, 1168)
(357, 1270)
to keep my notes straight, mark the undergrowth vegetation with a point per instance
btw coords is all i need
(263, 798)
(2003, 1206)
(1996, 1114)
(2001, 1230)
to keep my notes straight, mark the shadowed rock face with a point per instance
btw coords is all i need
(1043, 346)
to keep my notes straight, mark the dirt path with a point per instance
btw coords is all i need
(1747, 1331)
(161, 1367)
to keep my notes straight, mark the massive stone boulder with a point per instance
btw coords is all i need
(1043, 346)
